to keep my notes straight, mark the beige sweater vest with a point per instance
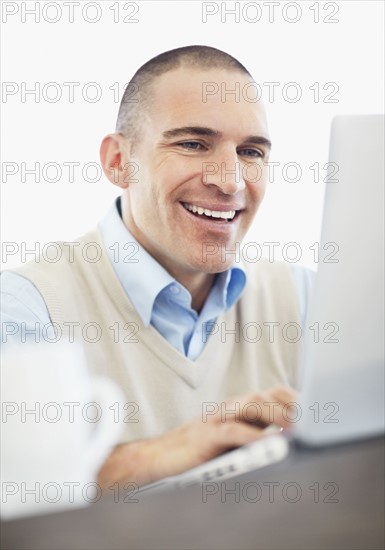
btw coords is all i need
(253, 345)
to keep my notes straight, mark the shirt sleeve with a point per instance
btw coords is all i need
(24, 314)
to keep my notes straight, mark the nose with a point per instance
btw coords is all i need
(224, 172)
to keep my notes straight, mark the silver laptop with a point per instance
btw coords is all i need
(341, 378)
(344, 370)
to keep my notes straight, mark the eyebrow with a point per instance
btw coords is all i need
(204, 131)
(192, 130)
(258, 140)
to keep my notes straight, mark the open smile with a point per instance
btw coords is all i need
(218, 215)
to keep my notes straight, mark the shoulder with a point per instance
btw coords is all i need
(20, 299)
(266, 273)
(282, 282)
(264, 270)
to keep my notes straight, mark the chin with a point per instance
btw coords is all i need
(211, 265)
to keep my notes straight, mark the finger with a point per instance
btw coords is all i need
(231, 435)
(284, 394)
(262, 409)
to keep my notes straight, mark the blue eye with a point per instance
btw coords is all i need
(191, 145)
(254, 153)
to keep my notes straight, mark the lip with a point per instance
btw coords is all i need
(213, 225)
(216, 207)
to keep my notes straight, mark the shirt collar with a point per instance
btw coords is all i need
(143, 278)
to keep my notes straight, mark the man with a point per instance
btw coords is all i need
(183, 327)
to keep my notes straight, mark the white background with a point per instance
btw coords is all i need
(348, 52)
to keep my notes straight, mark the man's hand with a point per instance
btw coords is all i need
(195, 442)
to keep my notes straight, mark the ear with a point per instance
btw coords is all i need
(114, 156)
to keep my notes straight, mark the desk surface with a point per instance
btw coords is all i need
(327, 498)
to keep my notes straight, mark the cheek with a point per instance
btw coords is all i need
(261, 191)
(256, 191)
(149, 205)
(174, 171)
(255, 176)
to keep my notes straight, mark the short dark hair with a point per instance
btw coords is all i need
(138, 94)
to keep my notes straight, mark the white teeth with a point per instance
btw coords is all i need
(210, 213)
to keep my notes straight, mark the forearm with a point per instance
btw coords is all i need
(129, 462)
(148, 460)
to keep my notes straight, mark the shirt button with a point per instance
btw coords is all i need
(174, 289)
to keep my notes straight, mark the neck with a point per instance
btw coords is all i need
(198, 285)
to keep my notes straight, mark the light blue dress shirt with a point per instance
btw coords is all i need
(157, 297)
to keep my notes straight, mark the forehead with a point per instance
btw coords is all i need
(216, 98)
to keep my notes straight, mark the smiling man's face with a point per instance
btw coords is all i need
(200, 174)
